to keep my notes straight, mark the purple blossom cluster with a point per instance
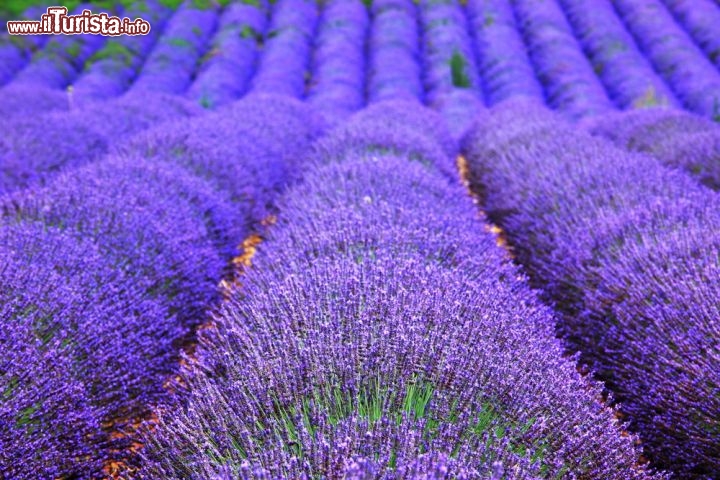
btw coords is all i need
(285, 62)
(16, 51)
(503, 61)
(626, 250)
(61, 59)
(566, 74)
(700, 19)
(108, 269)
(615, 58)
(674, 55)
(36, 148)
(171, 64)
(225, 70)
(111, 69)
(338, 89)
(678, 139)
(394, 71)
(452, 83)
(381, 333)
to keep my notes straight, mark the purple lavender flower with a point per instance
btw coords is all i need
(504, 64)
(615, 57)
(678, 139)
(61, 58)
(700, 19)
(337, 88)
(626, 250)
(285, 59)
(673, 54)
(171, 64)
(565, 73)
(110, 70)
(394, 71)
(226, 69)
(452, 84)
(359, 346)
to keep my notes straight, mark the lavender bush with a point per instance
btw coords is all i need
(111, 69)
(226, 69)
(504, 64)
(673, 54)
(625, 249)
(285, 60)
(15, 51)
(337, 87)
(451, 79)
(393, 49)
(171, 64)
(700, 19)
(60, 60)
(614, 55)
(341, 370)
(678, 139)
(237, 148)
(565, 73)
(38, 148)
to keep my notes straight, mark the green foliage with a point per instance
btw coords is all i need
(15, 8)
(458, 70)
(112, 49)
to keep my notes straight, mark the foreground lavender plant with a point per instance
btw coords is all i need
(678, 139)
(627, 249)
(105, 272)
(381, 333)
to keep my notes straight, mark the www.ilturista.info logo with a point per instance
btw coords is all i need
(57, 21)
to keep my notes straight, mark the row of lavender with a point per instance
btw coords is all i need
(111, 264)
(108, 269)
(381, 333)
(627, 250)
(581, 57)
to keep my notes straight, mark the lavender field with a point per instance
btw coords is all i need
(362, 239)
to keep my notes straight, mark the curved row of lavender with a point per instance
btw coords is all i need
(285, 63)
(394, 71)
(627, 250)
(338, 89)
(381, 333)
(36, 148)
(225, 71)
(110, 267)
(567, 77)
(16, 51)
(615, 58)
(171, 65)
(61, 59)
(451, 79)
(503, 60)
(110, 70)
(700, 19)
(674, 55)
(678, 139)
